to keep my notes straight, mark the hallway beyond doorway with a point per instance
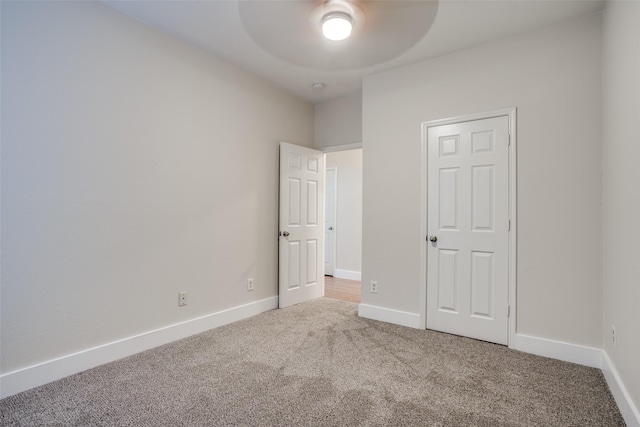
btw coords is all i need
(342, 289)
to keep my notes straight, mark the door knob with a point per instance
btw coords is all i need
(330, 228)
(433, 239)
(285, 233)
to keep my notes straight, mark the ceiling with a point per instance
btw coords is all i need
(250, 34)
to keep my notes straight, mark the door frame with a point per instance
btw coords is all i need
(511, 113)
(335, 211)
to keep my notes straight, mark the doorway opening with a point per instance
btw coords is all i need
(343, 224)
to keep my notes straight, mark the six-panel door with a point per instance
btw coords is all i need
(301, 245)
(468, 214)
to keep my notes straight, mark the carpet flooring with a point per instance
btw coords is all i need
(318, 364)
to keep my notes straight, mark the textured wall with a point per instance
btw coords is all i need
(133, 167)
(553, 77)
(338, 122)
(621, 187)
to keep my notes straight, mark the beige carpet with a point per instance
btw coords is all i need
(318, 364)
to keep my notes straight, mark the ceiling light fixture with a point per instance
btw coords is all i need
(337, 26)
(317, 87)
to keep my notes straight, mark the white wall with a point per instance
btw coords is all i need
(621, 188)
(349, 210)
(553, 77)
(338, 122)
(133, 167)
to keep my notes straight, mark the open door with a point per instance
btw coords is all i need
(301, 237)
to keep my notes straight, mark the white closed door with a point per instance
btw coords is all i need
(301, 248)
(330, 221)
(468, 227)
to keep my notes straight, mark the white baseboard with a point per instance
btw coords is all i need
(346, 274)
(402, 318)
(42, 373)
(627, 408)
(588, 356)
(582, 355)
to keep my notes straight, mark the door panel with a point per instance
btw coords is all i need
(482, 198)
(447, 283)
(449, 199)
(312, 262)
(468, 214)
(293, 249)
(312, 202)
(294, 202)
(301, 247)
(481, 284)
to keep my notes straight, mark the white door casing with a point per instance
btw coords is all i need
(468, 216)
(330, 220)
(301, 240)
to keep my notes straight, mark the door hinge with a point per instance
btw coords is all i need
(509, 141)
(509, 226)
(508, 311)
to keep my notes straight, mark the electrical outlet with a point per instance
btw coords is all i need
(182, 299)
(614, 338)
(250, 284)
(374, 286)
